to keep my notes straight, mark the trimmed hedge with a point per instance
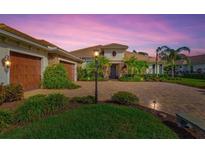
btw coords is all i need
(84, 99)
(131, 78)
(10, 93)
(39, 106)
(194, 76)
(55, 77)
(123, 97)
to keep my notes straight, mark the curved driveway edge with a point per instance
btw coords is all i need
(170, 98)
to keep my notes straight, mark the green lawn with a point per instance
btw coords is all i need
(199, 83)
(95, 121)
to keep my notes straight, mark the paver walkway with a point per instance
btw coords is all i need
(170, 98)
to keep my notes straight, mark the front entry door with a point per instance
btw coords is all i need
(113, 71)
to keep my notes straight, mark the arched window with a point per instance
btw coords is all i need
(114, 53)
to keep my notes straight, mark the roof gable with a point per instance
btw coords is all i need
(115, 46)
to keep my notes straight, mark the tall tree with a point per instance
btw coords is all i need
(158, 50)
(172, 55)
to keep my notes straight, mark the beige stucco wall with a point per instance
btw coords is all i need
(119, 56)
(4, 74)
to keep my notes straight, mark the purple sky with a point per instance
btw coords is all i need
(139, 32)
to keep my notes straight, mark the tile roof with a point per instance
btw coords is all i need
(88, 52)
(199, 59)
(21, 34)
(140, 57)
(44, 43)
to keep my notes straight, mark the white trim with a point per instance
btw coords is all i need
(65, 60)
(22, 39)
(75, 66)
(25, 53)
(67, 53)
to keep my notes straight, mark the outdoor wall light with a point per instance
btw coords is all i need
(6, 62)
(96, 53)
(154, 104)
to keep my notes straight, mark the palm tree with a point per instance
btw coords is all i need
(157, 58)
(134, 66)
(172, 55)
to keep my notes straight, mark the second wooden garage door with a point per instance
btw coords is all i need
(70, 68)
(25, 70)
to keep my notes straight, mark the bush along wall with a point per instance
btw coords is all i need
(55, 77)
(10, 93)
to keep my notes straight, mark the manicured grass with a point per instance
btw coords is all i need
(199, 83)
(95, 121)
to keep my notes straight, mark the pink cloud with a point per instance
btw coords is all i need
(77, 31)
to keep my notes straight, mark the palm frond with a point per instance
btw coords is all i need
(183, 49)
(183, 57)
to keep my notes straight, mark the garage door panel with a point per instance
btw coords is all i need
(70, 68)
(25, 70)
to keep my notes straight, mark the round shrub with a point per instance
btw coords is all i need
(123, 97)
(84, 99)
(55, 77)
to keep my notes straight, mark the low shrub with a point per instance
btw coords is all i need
(6, 118)
(39, 106)
(32, 109)
(55, 77)
(154, 77)
(123, 97)
(55, 102)
(10, 93)
(84, 99)
(133, 78)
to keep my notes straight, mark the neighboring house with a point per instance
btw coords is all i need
(116, 53)
(29, 57)
(197, 65)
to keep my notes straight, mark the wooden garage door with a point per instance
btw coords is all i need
(25, 70)
(70, 69)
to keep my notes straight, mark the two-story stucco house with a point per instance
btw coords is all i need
(116, 53)
(24, 58)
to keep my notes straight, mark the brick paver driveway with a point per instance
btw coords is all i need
(170, 98)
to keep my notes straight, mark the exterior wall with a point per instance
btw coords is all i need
(119, 56)
(5, 49)
(4, 75)
(53, 59)
(152, 69)
(199, 67)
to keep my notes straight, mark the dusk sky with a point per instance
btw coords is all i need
(139, 32)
